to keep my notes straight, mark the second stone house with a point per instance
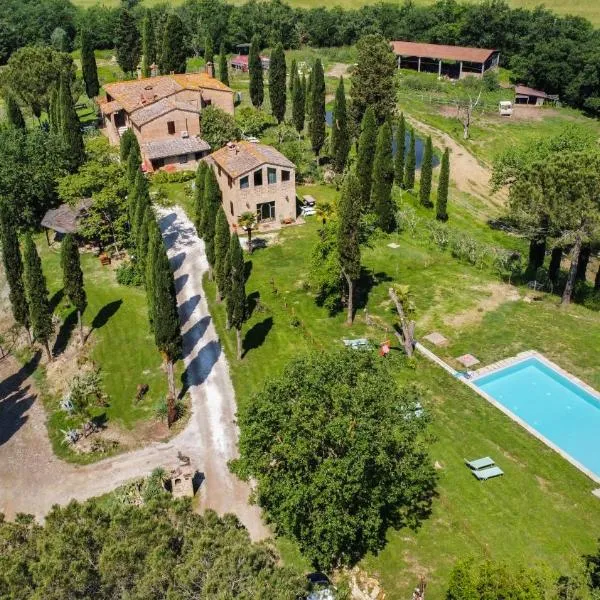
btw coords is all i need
(256, 178)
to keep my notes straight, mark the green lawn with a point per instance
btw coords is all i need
(122, 345)
(542, 511)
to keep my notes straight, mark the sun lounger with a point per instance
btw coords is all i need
(480, 463)
(357, 344)
(484, 474)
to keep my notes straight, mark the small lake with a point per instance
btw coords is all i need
(419, 143)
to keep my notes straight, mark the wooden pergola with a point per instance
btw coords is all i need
(66, 218)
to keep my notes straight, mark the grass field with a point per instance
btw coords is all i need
(584, 8)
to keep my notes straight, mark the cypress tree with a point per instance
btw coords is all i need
(154, 245)
(70, 131)
(257, 91)
(40, 315)
(212, 201)
(199, 196)
(308, 93)
(13, 112)
(134, 163)
(236, 293)
(383, 179)
(298, 103)
(127, 42)
(73, 278)
(13, 266)
(223, 67)
(317, 114)
(88, 66)
(340, 136)
(148, 44)
(348, 239)
(400, 151)
(293, 77)
(441, 205)
(209, 51)
(366, 153)
(142, 199)
(142, 243)
(411, 163)
(426, 174)
(167, 330)
(277, 83)
(173, 56)
(221, 248)
(53, 111)
(126, 144)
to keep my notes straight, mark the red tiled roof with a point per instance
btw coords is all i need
(523, 90)
(439, 51)
(238, 158)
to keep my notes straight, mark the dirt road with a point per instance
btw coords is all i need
(32, 479)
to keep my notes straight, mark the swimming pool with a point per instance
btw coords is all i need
(552, 406)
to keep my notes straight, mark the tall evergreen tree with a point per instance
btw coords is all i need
(142, 243)
(255, 70)
(167, 329)
(148, 44)
(173, 56)
(441, 205)
(298, 103)
(73, 278)
(383, 179)
(209, 50)
(154, 246)
(70, 130)
(411, 163)
(128, 142)
(400, 151)
(134, 163)
(138, 198)
(13, 266)
(54, 111)
(223, 67)
(340, 136)
(40, 315)
(212, 201)
(308, 93)
(366, 153)
(221, 248)
(13, 112)
(127, 42)
(199, 196)
(277, 83)
(88, 65)
(236, 292)
(426, 174)
(317, 113)
(348, 241)
(293, 77)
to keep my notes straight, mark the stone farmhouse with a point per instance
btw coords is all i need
(164, 113)
(256, 178)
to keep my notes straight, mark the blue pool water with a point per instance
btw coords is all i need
(560, 410)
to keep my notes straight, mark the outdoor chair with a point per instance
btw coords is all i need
(485, 474)
(480, 463)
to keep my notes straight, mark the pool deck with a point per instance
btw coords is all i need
(507, 362)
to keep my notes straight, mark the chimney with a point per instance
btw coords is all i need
(209, 69)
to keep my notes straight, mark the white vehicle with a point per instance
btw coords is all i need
(308, 211)
(506, 108)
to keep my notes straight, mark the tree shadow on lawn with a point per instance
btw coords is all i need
(247, 270)
(56, 299)
(365, 284)
(200, 367)
(105, 313)
(64, 333)
(255, 337)
(252, 301)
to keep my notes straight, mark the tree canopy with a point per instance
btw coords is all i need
(278, 83)
(219, 127)
(255, 69)
(127, 42)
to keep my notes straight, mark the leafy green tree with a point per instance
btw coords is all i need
(13, 112)
(349, 210)
(277, 83)
(199, 196)
(463, 583)
(426, 174)
(73, 278)
(257, 91)
(236, 291)
(366, 153)
(212, 202)
(70, 130)
(60, 40)
(373, 79)
(13, 265)
(400, 151)
(223, 67)
(88, 65)
(209, 51)
(127, 42)
(309, 434)
(340, 135)
(383, 179)
(222, 241)
(127, 143)
(441, 205)
(148, 44)
(299, 103)
(218, 127)
(317, 111)
(411, 163)
(173, 55)
(247, 221)
(36, 292)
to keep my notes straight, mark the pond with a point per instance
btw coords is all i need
(419, 143)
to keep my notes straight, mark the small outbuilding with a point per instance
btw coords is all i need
(527, 95)
(66, 218)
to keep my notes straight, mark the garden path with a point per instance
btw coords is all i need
(32, 478)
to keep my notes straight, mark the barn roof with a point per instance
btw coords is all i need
(238, 158)
(523, 90)
(439, 51)
(66, 218)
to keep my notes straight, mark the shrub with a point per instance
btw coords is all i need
(173, 177)
(128, 274)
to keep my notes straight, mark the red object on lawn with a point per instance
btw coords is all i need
(384, 348)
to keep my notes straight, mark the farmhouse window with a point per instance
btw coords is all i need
(171, 127)
(271, 175)
(244, 183)
(258, 177)
(285, 175)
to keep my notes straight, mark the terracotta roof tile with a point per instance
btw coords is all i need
(157, 109)
(438, 51)
(241, 157)
(174, 147)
